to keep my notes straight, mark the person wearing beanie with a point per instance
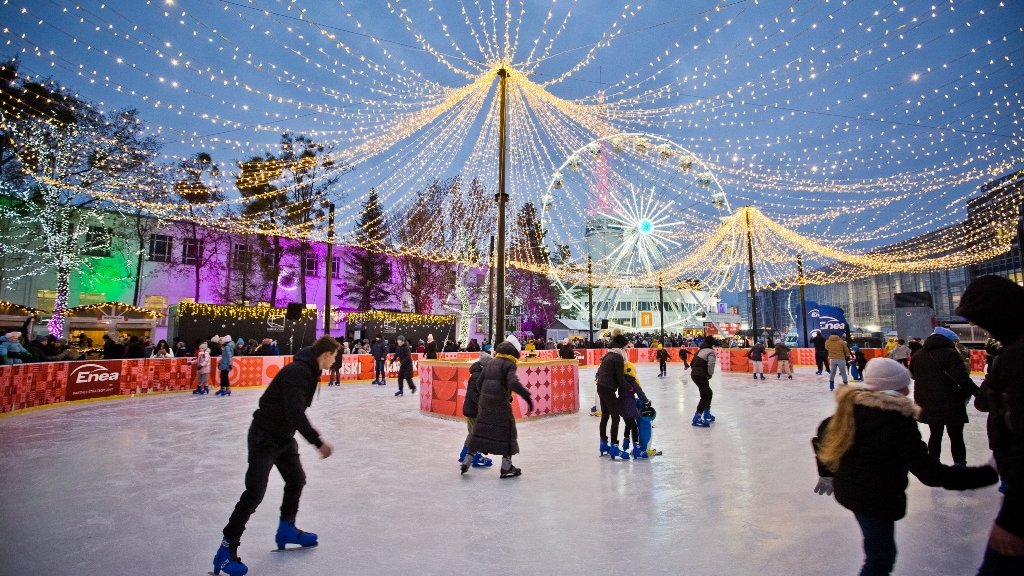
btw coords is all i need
(997, 305)
(702, 368)
(403, 355)
(611, 385)
(202, 364)
(662, 356)
(942, 387)
(566, 351)
(494, 431)
(865, 450)
(227, 355)
(431, 348)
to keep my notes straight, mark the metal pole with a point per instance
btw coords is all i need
(803, 300)
(490, 293)
(753, 292)
(590, 298)
(329, 273)
(501, 198)
(661, 309)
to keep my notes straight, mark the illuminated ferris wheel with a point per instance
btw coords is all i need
(624, 212)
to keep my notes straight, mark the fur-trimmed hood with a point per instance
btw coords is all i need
(888, 401)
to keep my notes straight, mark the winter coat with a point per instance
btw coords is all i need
(227, 353)
(471, 405)
(12, 352)
(942, 385)
(837, 348)
(431, 351)
(662, 355)
(781, 351)
(611, 373)
(202, 360)
(566, 352)
(756, 353)
(215, 349)
(37, 351)
(379, 349)
(495, 428)
(627, 401)
(282, 409)
(684, 354)
(112, 350)
(900, 352)
(872, 475)
(819, 344)
(135, 350)
(404, 357)
(703, 363)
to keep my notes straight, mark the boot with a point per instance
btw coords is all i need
(399, 393)
(698, 420)
(615, 451)
(219, 392)
(625, 444)
(708, 416)
(462, 455)
(465, 463)
(198, 390)
(412, 389)
(226, 559)
(778, 376)
(481, 461)
(762, 375)
(287, 533)
(638, 453)
(755, 376)
(605, 449)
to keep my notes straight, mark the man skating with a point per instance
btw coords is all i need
(281, 412)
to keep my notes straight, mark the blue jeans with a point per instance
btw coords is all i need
(879, 545)
(995, 564)
(378, 370)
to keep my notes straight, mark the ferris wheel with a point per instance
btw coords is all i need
(624, 212)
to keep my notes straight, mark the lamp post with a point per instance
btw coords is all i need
(803, 300)
(490, 293)
(329, 273)
(750, 263)
(501, 198)
(590, 300)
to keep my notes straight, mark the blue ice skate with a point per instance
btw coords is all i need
(226, 560)
(638, 452)
(287, 533)
(698, 420)
(605, 449)
(625, 444)
(465, 450)
(708, 416)
(481, 461)
(615, 451)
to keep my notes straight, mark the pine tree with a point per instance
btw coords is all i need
(368, 284)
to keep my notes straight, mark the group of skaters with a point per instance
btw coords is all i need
(864, 451)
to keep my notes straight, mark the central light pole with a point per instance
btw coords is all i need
(330, 269)
(753, 292)
(590, 300)
(501, 198)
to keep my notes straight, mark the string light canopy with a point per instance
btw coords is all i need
(849, 130)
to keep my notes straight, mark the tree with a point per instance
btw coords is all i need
(425, 280)
(67, 156)
(266, 205)
(307, 173)
(369, 283)
(196, 187)
(528, 282)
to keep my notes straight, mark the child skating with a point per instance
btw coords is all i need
(756, 355)
(630, 403)
(702, 369)
(471, 405)
(202, 362)
(662, 356)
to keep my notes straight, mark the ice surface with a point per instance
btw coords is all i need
(144, 486)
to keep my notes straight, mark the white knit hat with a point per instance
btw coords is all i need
(511, 339)
(225, 339)
(884, 374)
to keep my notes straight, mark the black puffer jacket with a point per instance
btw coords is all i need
(283, 405)
(495, 429)
(612, 371)
(941, 382)
(472, 402)
(872, 476)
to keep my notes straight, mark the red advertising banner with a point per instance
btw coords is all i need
(94, 379)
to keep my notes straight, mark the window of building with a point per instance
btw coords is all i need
(191, 251)
(159, 248)
(241, 256)
(45, 299)
(309, 263)
(336, 268)
(156, 304)
(90, 298)
(97, 241)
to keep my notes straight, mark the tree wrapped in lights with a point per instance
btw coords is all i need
(66, 154)
(425, 280)
(368, 283)
(265, 204)
(534, 291)
(196, 187)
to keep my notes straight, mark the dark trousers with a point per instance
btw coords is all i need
(265, 452)
(662, 364)
(225, 382)
(378, 370)
(686, 363)
(609, 409)
(704, 385)
(821, 359)
(879, 545)
(631, 429)
(405, 375)
(995, 564)
(956, 441)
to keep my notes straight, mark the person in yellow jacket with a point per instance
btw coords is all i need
(838, 357)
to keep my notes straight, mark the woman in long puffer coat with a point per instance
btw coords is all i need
(495, 428)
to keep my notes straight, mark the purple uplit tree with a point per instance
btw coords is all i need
(533, 291)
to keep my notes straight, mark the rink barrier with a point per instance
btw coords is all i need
(25, 386)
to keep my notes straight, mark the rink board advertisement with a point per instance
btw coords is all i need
(30, 385)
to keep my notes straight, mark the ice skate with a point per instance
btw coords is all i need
(708, 416)
(399, 393)
(638, 452)
(510, 472)
(198, 390)
(699, 421)
(226, 560)
(412, 389)
(594, 411)
(615, 451)
(755, 376)
(762, 375)
(605, 449)
(778, 376)
(287, 533)
(464, 465)
(625, 445)
(462, 454)
(481, 461)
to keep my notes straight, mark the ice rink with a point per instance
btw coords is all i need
(145, 485)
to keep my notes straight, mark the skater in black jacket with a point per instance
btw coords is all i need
(281, 412)
(684, 355)
(379, 350)
(865, 450)
(662, 355)
(404, 357)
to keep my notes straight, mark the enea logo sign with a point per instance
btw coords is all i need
(94, 380)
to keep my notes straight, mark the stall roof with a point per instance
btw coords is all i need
(570, 324)
(112, 309)
(12, 309)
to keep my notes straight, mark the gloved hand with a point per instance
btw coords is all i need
(529, 408)
(824, 486)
